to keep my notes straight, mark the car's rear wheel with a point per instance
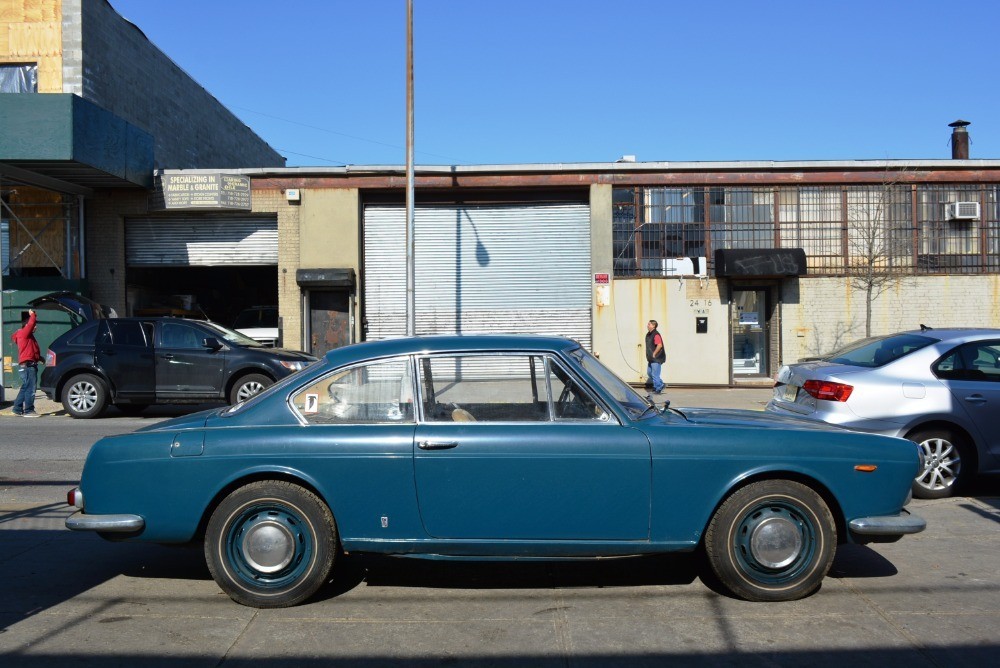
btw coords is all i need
(247, 386)
(772, 540)
(84, 396)
(270, 544)
(945, 468)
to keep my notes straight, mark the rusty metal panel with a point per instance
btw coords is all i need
(329, 320)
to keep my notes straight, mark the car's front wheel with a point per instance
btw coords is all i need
(84, 396)
(944, 469)
(247, 386)
(270, 544)
(773, 540)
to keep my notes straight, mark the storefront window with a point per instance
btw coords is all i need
(749, 330)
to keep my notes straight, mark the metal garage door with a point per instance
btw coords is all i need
(480, 269)
(183, 241)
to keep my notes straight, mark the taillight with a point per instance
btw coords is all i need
(830, 391)
(50, 358)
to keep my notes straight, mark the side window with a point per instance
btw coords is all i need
(484, 388)
(87, 335)
(377, 393)
(978, 361)
(571, 401)
(127, 333)
(179, 335)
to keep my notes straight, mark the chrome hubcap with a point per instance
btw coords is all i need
(268, 547)
(247, 390)
(776, 542)
(82, 396)
(942, 464)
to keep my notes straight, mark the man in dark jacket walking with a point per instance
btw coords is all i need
(28, 357)
(655, 355)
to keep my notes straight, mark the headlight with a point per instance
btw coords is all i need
(294, 366)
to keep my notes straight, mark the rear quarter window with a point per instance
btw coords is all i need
(85, 335)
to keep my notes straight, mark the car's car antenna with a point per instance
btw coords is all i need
(924, 328)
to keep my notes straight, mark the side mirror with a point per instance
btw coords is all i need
(212, 343)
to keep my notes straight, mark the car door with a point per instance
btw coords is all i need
(185, 367)
(971, 373)
(496, 457)
(124, 350)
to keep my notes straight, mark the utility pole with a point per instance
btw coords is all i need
(410, 270)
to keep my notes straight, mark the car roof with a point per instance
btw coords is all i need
(450, 343)
(947, 334)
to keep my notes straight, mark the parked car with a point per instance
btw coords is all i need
(491, 447)
(132, 363)
(937, 387)
(260, 323)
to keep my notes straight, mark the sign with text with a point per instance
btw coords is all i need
(205, 191)
(602, 279)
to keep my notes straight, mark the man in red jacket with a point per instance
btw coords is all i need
(28, 357)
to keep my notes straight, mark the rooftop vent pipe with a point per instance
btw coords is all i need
(959, 140)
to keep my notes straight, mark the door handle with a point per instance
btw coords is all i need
(976, 399)
(437, 445)
(167, 356)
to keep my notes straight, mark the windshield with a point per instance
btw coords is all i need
(619, 390)
(253, 318)
(233, 337)
(880, 350)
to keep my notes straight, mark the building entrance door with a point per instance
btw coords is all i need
(329, 320)
(749, 331)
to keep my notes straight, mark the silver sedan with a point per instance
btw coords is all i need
(937, 387)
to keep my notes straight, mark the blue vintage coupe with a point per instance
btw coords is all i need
(491, 447)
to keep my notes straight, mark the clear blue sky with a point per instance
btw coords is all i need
(562, 81)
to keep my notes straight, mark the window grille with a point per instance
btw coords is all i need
(842, 228)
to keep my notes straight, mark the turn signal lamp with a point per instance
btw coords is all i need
(828, 390)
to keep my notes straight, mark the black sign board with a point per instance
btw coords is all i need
(760, 262)
(204, 191)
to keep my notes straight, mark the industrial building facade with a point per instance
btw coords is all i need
(746, 265)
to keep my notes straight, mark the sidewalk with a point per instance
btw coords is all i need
(43, 405)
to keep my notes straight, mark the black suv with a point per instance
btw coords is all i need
(134, 362)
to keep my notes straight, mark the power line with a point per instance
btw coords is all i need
(341, 134)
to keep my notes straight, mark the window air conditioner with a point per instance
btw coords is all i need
(963, 211)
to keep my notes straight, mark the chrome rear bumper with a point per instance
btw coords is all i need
(112, 523)
(888, 525)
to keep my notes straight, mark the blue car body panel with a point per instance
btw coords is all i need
(628, 485)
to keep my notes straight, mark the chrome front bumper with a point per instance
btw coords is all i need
(888, 525)
(80, 521)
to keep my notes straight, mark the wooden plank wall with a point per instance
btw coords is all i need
(44, 215)
(31, 32)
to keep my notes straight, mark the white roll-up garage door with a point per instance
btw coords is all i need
(480, 269)
(183, 241)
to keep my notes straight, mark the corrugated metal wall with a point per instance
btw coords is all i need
(481, 269)
(182, 241)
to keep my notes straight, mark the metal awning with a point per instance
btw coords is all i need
(64, 143)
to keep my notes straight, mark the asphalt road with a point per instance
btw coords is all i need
(72, 599)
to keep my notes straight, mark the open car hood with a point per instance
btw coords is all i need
(74, 304)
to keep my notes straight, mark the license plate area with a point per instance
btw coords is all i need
(790, 393)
